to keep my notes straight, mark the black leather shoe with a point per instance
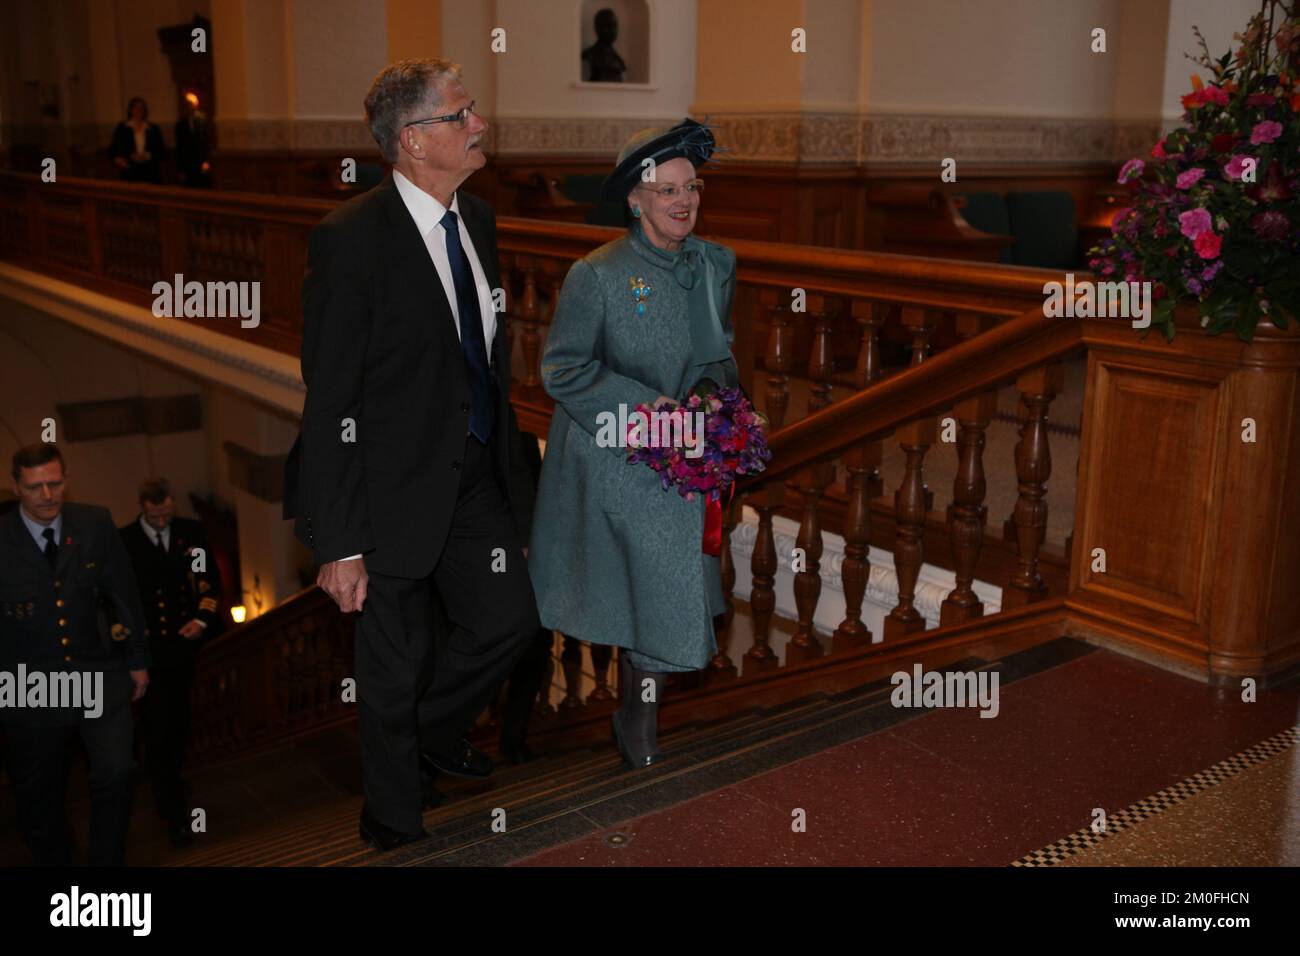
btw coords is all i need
(429, 794)
(632, 763)
(384, 838)
(517, 753)
(463, 760)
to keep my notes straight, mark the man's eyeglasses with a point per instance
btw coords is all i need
(460, 117)
(671, 191)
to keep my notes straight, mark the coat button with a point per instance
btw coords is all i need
(67, 657)
(63, 622)
(456, 465)
(58, 584)
(65, 641)
(464, 406)
(59, 603)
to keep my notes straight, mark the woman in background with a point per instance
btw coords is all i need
(137, 145)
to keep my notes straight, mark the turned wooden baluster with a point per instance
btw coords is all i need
(862, 463)
(721, 668)
(529, 314)
(571, 667)
(922, 322)
(762, 596)
(968, 515)
(807, 579)
(871, 316)
(909, 513)
(777, 359)
(601, 655)
(1033, 467)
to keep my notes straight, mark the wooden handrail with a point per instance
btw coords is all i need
(980, 363)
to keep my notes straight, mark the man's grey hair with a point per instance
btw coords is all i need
(401, 93)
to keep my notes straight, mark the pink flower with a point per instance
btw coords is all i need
(1194, 222)
(1207, 245)
(1265, 132)
(1131, 170)
(1158, 150)
(1236, 167)
(1190, 178)
(1216, 95)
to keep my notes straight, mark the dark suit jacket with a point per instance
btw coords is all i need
(172, 593)
(60, 619)
(123, 145)
(380, 347)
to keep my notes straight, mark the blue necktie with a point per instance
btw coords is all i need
(482, 416)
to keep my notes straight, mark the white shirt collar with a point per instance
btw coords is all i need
(152, 533)
(424, 209)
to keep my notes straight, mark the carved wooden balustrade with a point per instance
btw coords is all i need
(853, 356)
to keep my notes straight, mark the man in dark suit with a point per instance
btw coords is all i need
(180, 589)
(68, 605)
(402, 479)
(193, 145)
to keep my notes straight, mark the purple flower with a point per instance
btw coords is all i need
(1194, 222)
(1190, 178)
(1271, 226)
(1194, 287)
(1131, 170)
(1212, 270)
(1236, 167)
(1265, 132)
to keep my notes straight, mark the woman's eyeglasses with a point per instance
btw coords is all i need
(670, 191)
(460, 117)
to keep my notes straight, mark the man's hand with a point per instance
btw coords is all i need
(141, 681)
(345, 582)
(191, 630)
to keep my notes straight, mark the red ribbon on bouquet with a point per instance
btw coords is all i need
(712, 544)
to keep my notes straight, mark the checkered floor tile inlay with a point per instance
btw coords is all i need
(1086, 839)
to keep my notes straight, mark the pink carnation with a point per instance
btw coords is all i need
(1194, 222)
(1190, 178)
(1131, 170)
(1265, 132)
(1236, 167)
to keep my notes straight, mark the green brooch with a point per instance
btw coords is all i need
(640, 292)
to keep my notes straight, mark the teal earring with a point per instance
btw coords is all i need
(636, 211)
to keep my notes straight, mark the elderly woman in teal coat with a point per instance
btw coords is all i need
(614, 558)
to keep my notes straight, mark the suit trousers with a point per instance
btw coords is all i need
(38, 765)
(420, 687)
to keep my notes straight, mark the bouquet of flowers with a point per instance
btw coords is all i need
(732, 443)
(1215, 211)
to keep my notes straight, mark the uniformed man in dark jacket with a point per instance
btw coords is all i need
(68, 606)
(180, 589)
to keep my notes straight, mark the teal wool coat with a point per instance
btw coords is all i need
(614, 558)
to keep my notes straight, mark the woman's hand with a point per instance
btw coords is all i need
(662, 399)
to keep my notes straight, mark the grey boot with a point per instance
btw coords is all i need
(636, 720)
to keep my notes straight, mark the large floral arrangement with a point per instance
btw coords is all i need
(1215, 209)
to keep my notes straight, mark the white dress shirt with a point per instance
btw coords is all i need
(428, 214)
(153, 534)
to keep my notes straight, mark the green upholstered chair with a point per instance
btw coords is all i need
(1045, 229)
(987, 212)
